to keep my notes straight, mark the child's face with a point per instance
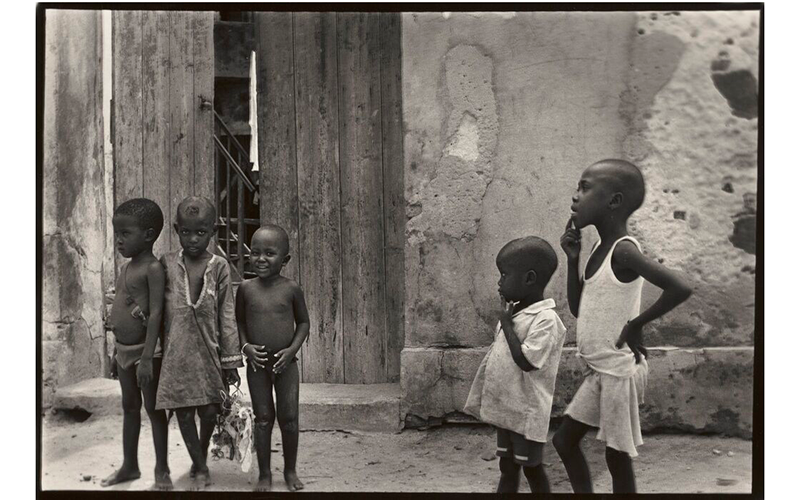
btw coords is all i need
(590, 201)
(514, 283)
(194, 234)
(129, 237)
(268, 254)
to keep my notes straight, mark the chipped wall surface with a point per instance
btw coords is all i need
(502, 114)
(73, 337)
(696, 140)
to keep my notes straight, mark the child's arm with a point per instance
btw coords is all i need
(230, 353)
(302, 325)
(514, 345)
(156, 279)
(571, 244)
(675, 291)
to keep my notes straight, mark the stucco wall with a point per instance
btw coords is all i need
(73, 338)
(502, 114)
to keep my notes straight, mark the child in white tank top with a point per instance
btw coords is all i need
(606, 299)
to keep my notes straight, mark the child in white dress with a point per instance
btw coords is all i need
(606, 300)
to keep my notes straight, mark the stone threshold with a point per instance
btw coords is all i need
(323, 407)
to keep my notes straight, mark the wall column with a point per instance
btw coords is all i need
(73, 201)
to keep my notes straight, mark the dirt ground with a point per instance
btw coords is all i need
(76, 456)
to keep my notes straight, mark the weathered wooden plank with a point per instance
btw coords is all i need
(363, 265)
(156, 117)
(127, 102)
(203, 115)
(316, 99)
(276, 126)
(393, 189)
(277, 154)
(181, 104)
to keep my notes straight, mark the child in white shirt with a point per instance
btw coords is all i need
(513, 389)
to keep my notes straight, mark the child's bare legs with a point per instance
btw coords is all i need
(537, 479)
(259, 381)
(158, 423)
(567, 441)
(287, 393)
(208, 420)
(621, 469)
(198, 449)
(131, 423)
(509, 476)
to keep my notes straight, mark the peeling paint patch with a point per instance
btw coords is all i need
(744, 225)
(737, 84)
(464, 143)
(451, 200)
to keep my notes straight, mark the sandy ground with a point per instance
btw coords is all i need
(76, 456)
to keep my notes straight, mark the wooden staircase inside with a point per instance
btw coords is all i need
(236, 187)
(236, 196)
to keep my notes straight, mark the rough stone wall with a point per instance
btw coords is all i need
(504, 111)
(73, 338)
(691, 114)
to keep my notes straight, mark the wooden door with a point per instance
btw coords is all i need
(163, 70)
(331, 163)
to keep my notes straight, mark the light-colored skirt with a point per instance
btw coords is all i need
(612, 405)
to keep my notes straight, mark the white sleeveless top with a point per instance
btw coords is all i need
(606, 306)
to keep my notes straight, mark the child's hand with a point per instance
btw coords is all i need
(506, 310)
(256, 354)
(232, 376)
(114, 373)
(571, 240)
(144, 373)
(632, 335)
(284, 358)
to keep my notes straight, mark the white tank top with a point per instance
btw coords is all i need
(607, 304)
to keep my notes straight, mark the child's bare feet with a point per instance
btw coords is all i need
(292, 481)
(202, 479)
(192, 471)
(120, 476)
(264, 483)
(163, 481)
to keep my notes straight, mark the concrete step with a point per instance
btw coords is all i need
(369, 407)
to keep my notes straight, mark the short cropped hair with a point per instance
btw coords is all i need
(532, 252)
(628, 179)
(146, 212)
(197, 206)
(283, 236)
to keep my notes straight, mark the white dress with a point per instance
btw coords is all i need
(610, 395)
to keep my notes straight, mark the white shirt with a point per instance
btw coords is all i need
(504, 395)
(606, 306)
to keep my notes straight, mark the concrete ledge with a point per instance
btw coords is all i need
(707, 390)
(98, 396)
(373, 407)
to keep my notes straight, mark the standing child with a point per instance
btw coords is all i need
(606, 300)
(273, 324)
(201, 347)
(513, 389)
(136, 320)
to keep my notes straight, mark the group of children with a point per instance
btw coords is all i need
(514, 385)
(185, 302)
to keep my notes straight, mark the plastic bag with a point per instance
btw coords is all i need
(233, 434)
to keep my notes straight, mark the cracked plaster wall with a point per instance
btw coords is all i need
(503, 112)
(73, 337)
